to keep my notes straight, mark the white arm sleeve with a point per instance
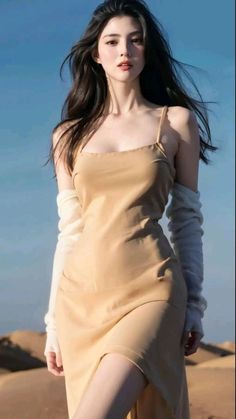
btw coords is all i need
(70, 227)
(185, 226)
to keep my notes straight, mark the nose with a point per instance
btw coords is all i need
(125, 48)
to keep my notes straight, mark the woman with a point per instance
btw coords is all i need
(125, 308)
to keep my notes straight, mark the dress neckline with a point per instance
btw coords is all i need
(156, 146)
(163, 112)
(129, 150)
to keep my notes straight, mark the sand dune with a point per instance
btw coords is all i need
(208, 351)
(28, 390)
(223, 362)
(29, 341)
(34, 394)
(211, 392)
(227, 345)
(4, 371)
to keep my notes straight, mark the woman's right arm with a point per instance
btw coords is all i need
(69, 226)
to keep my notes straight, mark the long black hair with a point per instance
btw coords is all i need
(160, 80)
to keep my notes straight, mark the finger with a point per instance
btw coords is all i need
(191, 351)
(52, 364)
(194, 340)
(58, 359)
(192, 344)
(55, 370)
(59, 363)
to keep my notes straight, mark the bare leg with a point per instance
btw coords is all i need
(113, 390)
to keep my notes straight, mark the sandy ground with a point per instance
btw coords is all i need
(29, 391)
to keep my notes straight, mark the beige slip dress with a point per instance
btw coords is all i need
(122, 289)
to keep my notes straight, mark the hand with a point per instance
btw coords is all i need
(191, 341)
(54, 363)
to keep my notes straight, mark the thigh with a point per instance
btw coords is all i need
(113, 390)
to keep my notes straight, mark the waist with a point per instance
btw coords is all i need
(117, 225)
(141, 237)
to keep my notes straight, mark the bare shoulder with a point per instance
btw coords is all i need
(180, 113)
(64, 179)
(184, 122)
(60, 130)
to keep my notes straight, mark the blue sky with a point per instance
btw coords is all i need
(35, 37)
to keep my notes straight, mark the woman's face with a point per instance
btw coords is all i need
(121, 40)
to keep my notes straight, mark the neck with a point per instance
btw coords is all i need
(123, 98)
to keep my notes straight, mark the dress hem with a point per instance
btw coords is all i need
(143, 367)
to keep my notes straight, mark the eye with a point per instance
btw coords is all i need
(109, 42)
(137, 40)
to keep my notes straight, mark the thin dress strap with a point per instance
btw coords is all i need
(164, 110)
(81, 146)
(160, 124)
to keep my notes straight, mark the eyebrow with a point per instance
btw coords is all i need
(117, 34)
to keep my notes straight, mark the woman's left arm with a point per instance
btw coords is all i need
(187, 156)
(185, 225)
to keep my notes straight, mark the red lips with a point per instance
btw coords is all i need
(125, 63)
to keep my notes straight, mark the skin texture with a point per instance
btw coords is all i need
(118, 395)
(129, 121)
